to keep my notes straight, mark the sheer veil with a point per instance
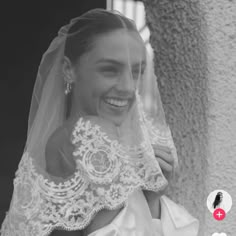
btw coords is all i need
(42, 202)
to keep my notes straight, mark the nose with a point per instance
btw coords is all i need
(126, 82)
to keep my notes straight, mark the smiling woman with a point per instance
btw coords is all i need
(95, 163)
(105, 86)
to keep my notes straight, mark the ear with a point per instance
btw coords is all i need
(68, 71)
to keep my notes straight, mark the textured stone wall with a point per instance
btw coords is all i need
(220, 17)
(193, 42)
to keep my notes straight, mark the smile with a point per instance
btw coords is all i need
(117, 102)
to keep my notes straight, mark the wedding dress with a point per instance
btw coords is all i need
(136, 220)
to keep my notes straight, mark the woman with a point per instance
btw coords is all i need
(94, 162)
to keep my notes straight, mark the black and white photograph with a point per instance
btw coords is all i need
(119, 118)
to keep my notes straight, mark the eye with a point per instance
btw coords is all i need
(109, 70)
(137, 73)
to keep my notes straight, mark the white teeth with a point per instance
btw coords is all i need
(116, 102)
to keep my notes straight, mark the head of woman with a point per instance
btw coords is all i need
(104, 58)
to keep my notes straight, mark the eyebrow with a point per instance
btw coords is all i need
(112, 61)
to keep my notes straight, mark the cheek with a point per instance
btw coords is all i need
(92, 88)
(90, 94)
(100, 86)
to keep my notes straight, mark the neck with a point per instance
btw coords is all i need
(76, 111)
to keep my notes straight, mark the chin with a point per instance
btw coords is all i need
(117, 121)
(116, 118)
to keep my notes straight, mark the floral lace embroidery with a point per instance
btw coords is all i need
(156, 135)
(105, 177)
(161, 138)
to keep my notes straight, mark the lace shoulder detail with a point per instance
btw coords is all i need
(106, 174)
(158, 135)
(161, 137)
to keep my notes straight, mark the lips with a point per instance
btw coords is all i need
(117, 102)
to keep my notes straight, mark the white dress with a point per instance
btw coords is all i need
(136, 220)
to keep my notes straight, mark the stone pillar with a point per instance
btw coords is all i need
(194, 44)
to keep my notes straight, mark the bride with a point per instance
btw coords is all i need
(96, 162)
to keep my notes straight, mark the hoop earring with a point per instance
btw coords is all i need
(68, 88)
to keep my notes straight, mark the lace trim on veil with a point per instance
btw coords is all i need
(105, 177)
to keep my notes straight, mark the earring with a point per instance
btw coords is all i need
(68, 88)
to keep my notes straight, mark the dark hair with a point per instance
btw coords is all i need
(91, 24)
(218, 199)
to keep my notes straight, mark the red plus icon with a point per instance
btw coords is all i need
(219, 214)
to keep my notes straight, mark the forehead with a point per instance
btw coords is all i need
(120, 45)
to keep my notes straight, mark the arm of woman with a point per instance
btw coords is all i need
(165, 158)
(166, 161)
(169, 218)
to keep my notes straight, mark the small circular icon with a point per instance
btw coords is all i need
(219, 199)
(219, 214)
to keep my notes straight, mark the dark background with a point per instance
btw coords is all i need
(27, 28)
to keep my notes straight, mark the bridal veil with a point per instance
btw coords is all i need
(110, 163)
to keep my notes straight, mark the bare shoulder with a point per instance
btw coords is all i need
(58, 152)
